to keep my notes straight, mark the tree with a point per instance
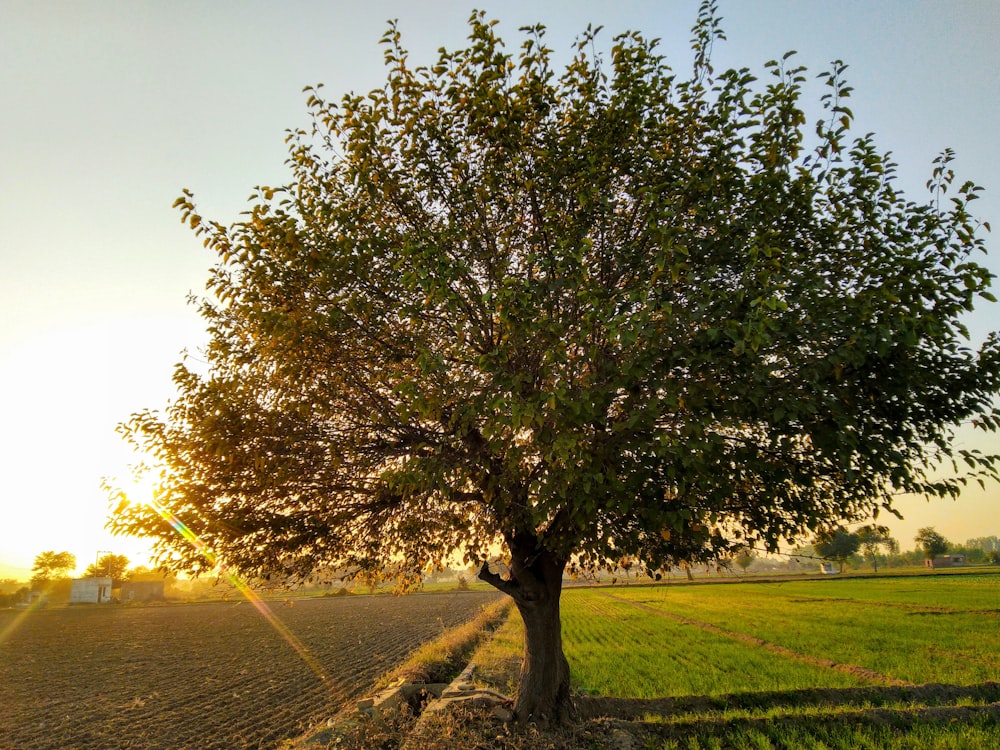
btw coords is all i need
(744, 559)
(12, 592)
(872, 538)
(144, 573)
(51, 566)
(110, 566)
(837, 544)
(930, 542)
(574, 317)
(985, 543)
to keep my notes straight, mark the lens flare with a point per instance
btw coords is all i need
(337, 693)
(14, 624)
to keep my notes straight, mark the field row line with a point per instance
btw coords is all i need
(921, 608)
(774, 648)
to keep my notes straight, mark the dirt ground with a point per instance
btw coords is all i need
(217, 675)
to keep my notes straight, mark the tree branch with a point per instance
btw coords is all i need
(511, 588)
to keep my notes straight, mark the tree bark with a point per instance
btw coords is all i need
(543, 695)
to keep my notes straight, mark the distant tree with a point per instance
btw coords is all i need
(930, 542)
(12, 592)
(985, 543)
(836, 544)
(568, 317)
(969, 554)
(144, 573)
(10, 597)
(744, 559)
(873, 538)
(110, 566)
(51, 566)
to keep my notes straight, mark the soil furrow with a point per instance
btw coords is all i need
(207, 676)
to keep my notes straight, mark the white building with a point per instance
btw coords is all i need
(90, 591)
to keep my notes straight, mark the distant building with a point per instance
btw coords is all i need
(141, 591)
(827, 569)
(945, 561)
(90, 591)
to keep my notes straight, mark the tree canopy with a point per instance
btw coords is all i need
(873, 537)
(931, 542)
(110, 566)
(570, 318)
(837, 544)
(51, 566)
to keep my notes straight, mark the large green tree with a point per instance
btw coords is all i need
(568, 317)
(872, 538)
(110, 566)
(51, 566)
(930, 542)
(836, 544)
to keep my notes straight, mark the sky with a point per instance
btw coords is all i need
(109, 109)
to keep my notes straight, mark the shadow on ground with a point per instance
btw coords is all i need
(917, 697)
(809, 716)
(968, 717)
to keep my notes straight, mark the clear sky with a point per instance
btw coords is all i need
(108, 109)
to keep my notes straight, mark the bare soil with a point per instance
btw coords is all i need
(215, 675)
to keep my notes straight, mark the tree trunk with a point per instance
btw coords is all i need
(535, 584)
(543, 693)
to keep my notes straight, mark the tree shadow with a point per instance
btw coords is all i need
(877, 702)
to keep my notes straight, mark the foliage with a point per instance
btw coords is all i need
(143, 573)
(985, 543)
(930, 542)
(452, 327)
(744, 559)
(51, 566)
(592, 315)
(837, 544)
(13, 594)
(872, 538)
(110, 566)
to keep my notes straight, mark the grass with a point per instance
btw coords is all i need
(819, 665)
(908, 635)
(774, 670)
(619, 650)
(973, 733)
(443, 658)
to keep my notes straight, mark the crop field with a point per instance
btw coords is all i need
(893, 662)
(213, 675)
(783, 636)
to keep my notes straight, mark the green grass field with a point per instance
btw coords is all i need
(893, 662)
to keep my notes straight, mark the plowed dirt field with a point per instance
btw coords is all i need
(206, 676)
